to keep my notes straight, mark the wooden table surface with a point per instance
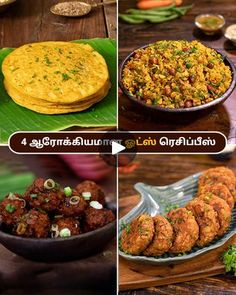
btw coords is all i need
(221, 118)
(88, 276)
(163, 170)
(29, 21)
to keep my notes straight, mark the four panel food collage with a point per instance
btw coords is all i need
(118, 147)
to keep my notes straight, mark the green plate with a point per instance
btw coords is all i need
(16, 118)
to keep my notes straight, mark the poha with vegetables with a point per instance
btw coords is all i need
(176, 74)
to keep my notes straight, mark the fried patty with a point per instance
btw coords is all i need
(96, 218)
(33, 224)
(223, 170)
(222, 210)
(70, 223)
(163, 237)
(96, 191)
(136, 237)
(186, 230)
(207, 221)
(12, 209)
(70, 209)
(39, 197)
(220, 190)
(212, 177)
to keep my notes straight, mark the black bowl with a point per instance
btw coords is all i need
(59, 249)
(215, 102)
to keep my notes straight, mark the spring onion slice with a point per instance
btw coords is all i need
(49, 184)
(65, 233)
(96, 205)
(68, 191)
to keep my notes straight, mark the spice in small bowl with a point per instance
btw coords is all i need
(210, 24)
(71, 8)
(230, 33)
(4, 4)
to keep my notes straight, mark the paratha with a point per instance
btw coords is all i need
(61, 74)
(53, 108)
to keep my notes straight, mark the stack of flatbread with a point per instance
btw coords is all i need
(56, 77)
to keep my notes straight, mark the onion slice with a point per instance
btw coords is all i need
(49, 184)
(74, 200)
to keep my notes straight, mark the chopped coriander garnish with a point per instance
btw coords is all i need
(74, 72)
(34, 196)
(179, 69)
(47, 60)
(123, 225)
(188, 65)
(229, 259)
(65, 77)
(10, 208)
(59, 50)
(128, 229)
(171, 207)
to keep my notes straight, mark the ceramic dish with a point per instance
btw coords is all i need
(217, 101)
(155, 200)
(206, 29)
(230, 33)
(59, 249)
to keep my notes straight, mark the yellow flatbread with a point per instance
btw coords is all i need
(45, 108)
(21, 97)
(58, 72)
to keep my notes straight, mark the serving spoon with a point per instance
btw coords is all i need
(76, 8)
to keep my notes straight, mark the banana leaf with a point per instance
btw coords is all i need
(16, 118)
(15, 183)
